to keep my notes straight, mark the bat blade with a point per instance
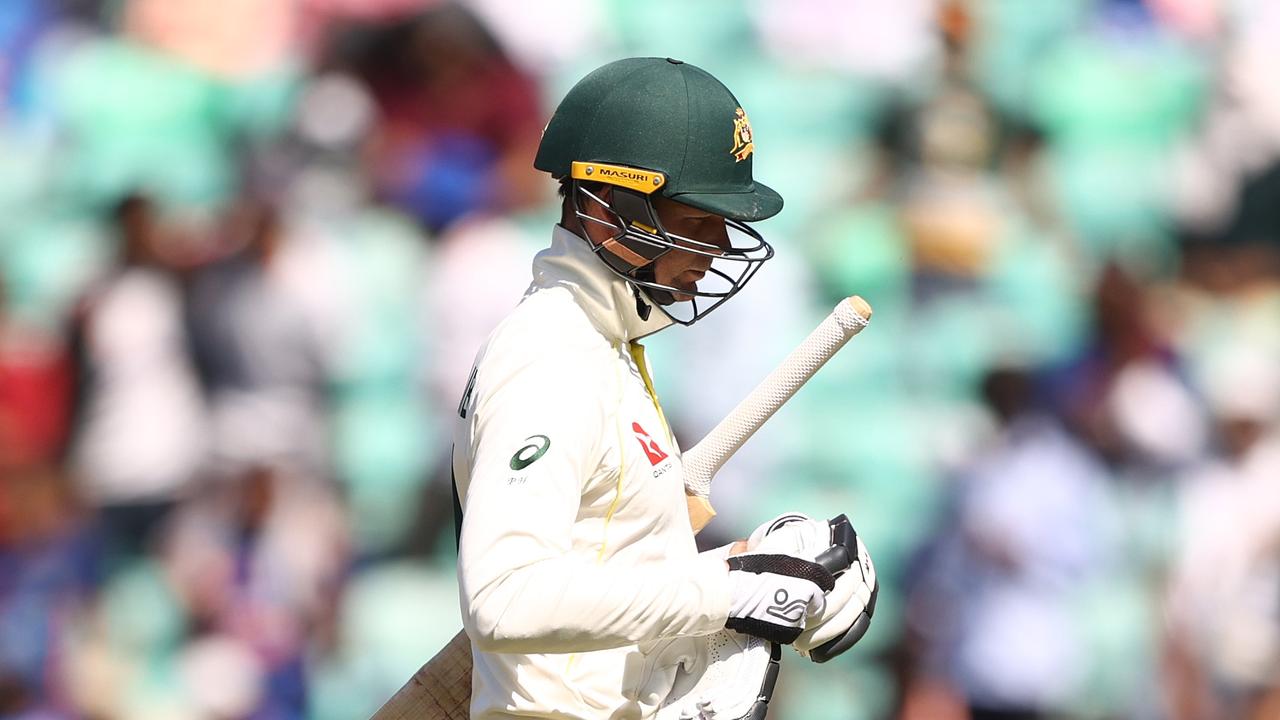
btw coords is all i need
(440, 690)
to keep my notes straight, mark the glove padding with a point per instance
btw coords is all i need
(730, 675)
(725, 676)
(845, 616)
(771, 594)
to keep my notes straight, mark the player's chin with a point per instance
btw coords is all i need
(683, 291)
(685, 286)
(680, 289)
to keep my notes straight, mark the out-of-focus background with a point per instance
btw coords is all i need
(249, 247)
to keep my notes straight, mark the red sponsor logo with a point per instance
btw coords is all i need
(648, 445)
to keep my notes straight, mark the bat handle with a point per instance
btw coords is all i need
(702, 461)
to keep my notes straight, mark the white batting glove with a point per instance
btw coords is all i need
(792, 533)
(771, 594)
(845, 616)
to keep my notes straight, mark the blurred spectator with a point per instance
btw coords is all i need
(1224, 596)
(995, 600)
(264, 327)
(142, 430)
(948, 142)
(1229, 171)
(459, 122)
(257, 563)
(1126, 393)
(47, 573)
(35, 393)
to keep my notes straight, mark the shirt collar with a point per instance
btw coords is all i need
(608, 300)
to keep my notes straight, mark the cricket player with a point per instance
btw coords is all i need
(576, 556)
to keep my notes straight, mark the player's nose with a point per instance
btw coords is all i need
(718, 235)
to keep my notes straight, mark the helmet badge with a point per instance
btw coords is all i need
(743, 145)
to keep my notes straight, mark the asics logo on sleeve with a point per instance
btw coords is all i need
(784, 608)
(526, 455)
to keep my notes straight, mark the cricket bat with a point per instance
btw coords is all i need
(441, 689)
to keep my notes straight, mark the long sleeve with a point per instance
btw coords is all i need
(536, 441)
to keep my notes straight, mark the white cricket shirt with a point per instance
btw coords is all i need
(576, 549)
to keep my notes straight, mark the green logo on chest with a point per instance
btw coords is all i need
(526, 455)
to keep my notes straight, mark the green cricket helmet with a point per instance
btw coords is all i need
(651, 126)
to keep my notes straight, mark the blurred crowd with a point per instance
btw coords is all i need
(249, 247)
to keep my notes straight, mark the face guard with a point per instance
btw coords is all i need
(638, 239)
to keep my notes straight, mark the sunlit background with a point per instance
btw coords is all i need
(249, 248)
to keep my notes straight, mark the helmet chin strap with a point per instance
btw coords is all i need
(647, 274)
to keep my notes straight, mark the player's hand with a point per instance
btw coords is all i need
(845, 616)
(771, 594)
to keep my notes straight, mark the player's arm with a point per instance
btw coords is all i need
(523, 588)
